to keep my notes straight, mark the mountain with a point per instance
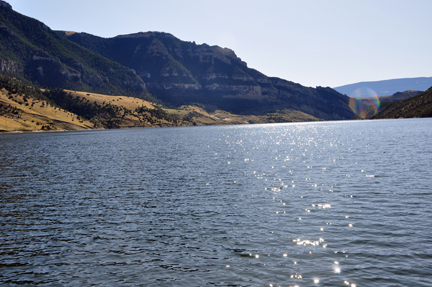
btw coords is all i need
(419, 106)
(399, 96)
(174, 71)
(32, 51)
(388, 87)
(179, 73)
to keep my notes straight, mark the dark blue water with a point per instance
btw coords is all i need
(315, 204)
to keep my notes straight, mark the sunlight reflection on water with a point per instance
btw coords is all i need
(262, 205)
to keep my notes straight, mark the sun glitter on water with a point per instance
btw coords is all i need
(364, 102)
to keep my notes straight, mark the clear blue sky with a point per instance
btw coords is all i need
(311, 42)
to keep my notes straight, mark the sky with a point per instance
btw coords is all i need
(311, 42)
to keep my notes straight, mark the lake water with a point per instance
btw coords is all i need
(308, 204)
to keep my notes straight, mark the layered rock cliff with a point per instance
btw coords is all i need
(180, 72)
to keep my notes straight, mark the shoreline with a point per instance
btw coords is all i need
(32, 131)
(3, 132)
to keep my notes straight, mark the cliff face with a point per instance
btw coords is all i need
(30, 49)
(180, 72)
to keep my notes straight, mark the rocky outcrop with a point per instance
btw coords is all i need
(50, 71)
(5, 5)
(10, 67)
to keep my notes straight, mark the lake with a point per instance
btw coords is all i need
(299, 204)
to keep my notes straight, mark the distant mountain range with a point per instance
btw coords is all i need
(153, 63)
(388, 87)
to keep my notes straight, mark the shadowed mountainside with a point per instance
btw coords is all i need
(419, 106)
(179, 72)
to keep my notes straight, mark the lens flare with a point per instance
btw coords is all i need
(364, 102)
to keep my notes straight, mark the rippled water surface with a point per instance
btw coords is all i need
(315, 204)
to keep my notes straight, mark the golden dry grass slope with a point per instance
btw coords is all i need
(128, 112)
(21, 113)
(200, 116)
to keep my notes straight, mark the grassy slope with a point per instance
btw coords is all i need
(199, 116)
(25, 108)
(33, 114)
(129, 114)
(17, 114)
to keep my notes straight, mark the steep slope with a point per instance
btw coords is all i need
(31, 50)
(419, 106)
(181, 72)
(388, 87)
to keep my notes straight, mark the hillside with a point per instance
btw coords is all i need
(24, 108)
(419, 106)
(32, 51)
(389, 87)
(27, 108)
(181, 73)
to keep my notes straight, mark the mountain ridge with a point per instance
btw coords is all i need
(180, 72)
